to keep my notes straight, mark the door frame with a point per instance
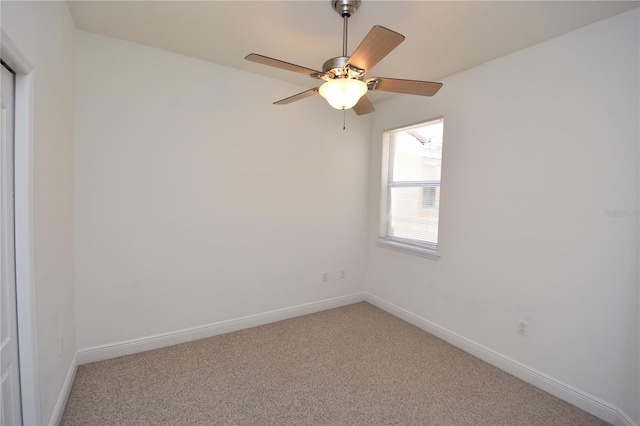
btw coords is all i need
(25, 265)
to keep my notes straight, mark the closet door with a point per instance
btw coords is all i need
(10, 410)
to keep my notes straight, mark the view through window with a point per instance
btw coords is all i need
(412, 196)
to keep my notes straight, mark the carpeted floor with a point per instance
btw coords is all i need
(354, 365)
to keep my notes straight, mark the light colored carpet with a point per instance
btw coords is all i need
(354, 365)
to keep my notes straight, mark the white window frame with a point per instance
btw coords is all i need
(427, 250)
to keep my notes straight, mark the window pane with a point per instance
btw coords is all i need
(409, 218)
(417, 153)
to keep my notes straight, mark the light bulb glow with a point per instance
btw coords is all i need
(343, 93)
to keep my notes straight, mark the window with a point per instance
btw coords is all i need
(411, 188)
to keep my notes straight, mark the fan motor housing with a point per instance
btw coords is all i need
(337, 62)
(338, 67)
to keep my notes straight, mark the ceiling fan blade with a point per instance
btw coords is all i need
(364, 106)
(265, 60)
(410, 87)
(376, 45)
(297, 97)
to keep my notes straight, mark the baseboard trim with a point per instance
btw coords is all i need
(589, 403)
(102, 352)
(63, 396)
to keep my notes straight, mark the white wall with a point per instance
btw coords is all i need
(44, 34)
(198, 201)
(538, 145)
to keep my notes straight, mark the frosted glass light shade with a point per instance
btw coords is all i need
(343, 93)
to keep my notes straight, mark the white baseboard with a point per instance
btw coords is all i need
(99, 353)
(589, 403)
(63, 396)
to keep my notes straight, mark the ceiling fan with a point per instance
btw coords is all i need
(345, 76)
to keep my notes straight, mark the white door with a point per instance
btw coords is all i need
(10, 410)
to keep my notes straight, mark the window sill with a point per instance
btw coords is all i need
(408, 248)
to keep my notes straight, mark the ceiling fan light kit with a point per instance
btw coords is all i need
(345, 79)
(343, 93)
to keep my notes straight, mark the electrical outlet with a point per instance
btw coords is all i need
(343, 274)
(325, 277)
(523, 328)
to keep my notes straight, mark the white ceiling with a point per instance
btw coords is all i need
(442, 37)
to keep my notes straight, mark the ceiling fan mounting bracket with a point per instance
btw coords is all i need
(345, 7)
